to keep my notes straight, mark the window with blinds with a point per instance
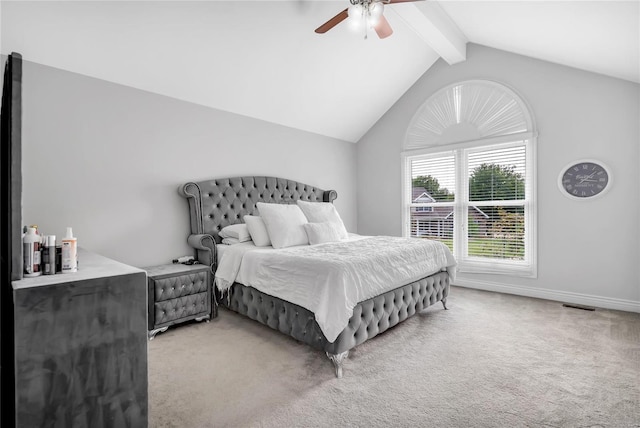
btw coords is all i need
(431, 205)
(496, 185)
(468, 177)
(477, 200)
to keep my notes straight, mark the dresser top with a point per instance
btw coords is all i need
(90, 266)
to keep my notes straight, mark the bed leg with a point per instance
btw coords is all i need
(337, 360)
(444, 303)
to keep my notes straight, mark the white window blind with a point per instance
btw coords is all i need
(497, 190)
(432, 187)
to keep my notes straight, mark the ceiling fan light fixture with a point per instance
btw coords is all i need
(356, 17)
(375, 13)
(355, 11)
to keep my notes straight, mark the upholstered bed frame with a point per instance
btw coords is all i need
(214, 204)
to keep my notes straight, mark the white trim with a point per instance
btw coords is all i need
(555, 295)
(532, 227)
(406, 194)
(519, 268)
(515, 139)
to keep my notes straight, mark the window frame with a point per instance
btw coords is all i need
(461, 203)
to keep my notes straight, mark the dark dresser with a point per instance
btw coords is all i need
(81, 346)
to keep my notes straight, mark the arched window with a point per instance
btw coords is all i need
(469, 153)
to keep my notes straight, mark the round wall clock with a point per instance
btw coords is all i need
(584, 179)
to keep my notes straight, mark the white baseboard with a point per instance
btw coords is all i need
(560, 296)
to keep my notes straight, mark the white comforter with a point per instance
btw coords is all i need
(331, 279)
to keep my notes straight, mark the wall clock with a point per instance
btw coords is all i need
(584, 179)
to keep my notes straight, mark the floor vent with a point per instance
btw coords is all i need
(575, 306)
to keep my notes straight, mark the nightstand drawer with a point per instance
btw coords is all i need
(179, 286)
(181, 307)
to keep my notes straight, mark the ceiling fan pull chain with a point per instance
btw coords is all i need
(365, 18)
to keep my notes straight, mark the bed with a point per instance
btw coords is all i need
(217, 203)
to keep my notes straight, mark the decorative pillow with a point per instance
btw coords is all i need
(237, 231)
(321, 212)
(319, 233)
(284, 224)
(257, 230)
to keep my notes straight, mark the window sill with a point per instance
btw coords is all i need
(522, 270)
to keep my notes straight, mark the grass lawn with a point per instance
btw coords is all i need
(490, 247)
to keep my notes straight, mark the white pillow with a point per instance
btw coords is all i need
(237, 231)
(321, 212)
(319, 233)
(233, 241)
(257, 230)
(284, 224)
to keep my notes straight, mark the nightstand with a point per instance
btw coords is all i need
(177, 293)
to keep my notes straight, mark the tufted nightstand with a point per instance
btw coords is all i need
(178, 293)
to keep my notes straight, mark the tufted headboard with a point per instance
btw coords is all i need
(216, 203)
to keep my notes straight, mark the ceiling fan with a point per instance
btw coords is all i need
(364, 14)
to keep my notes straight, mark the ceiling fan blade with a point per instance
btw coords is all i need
(383, 29)
(332, 22)
(398, 1)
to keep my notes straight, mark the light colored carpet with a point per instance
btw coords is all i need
(491, 360)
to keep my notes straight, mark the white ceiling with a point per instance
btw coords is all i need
(262, 59)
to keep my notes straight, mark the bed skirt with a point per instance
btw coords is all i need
(370, 317)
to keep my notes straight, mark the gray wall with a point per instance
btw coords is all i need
(588, 251)
(107, 160)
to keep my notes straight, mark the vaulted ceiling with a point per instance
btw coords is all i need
(262, 58)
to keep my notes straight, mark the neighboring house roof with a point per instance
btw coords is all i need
(420, 195)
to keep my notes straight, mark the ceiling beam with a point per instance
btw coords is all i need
(435, 27)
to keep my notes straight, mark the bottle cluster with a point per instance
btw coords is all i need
(42, 256)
